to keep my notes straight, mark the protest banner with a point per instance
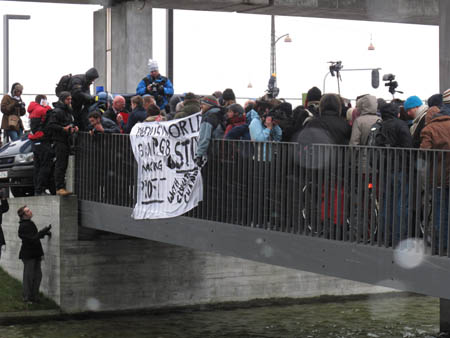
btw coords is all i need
(169, 182)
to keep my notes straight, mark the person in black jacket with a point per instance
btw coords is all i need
(101, 124)
(62, 128)
(138, 114)
(31, 253)
(394, 133)
(328, 127)
(4, 207)
(79, 87)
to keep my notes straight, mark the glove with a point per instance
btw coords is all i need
(49, 234)
(199, 162)
(161, 90)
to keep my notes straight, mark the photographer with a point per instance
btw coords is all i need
(264, 123)
(13, 108)
(156, 85)
(31, 253)
(62, 131)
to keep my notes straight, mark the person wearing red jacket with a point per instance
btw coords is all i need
(42, 149)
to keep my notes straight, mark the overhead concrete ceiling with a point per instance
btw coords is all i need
(402, 11)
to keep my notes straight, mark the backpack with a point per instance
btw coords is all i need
(376, 137)
(63, 84)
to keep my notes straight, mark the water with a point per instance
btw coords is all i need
(393, 316)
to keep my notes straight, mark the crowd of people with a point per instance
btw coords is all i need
(322, 119)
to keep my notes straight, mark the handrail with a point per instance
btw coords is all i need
(362, 195)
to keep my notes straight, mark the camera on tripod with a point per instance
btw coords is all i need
(391, 83)
(272, 89)
(335, 67)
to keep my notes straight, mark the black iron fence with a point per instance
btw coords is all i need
(366, 195)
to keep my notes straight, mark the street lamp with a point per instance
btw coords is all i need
(273, 50)
(6, 19)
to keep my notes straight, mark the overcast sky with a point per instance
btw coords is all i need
(214, 51)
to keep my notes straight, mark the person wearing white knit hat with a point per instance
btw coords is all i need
(156, 85)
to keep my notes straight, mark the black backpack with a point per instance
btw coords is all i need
(376, 137)
(63, 84)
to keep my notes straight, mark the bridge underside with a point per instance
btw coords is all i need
(401, 11)
(346, 260)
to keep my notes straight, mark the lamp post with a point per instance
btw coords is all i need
(273, 50)
(6, 19)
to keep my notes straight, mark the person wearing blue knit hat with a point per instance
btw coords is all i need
(415, 108)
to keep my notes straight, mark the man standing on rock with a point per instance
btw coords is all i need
(31, 253)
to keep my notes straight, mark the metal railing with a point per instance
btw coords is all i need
(366, 195)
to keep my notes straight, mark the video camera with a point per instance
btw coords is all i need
(335, 67)
(391, 83)
(272, 89)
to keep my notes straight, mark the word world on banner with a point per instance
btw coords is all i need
(169, 182)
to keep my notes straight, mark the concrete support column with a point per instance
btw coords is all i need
(131, 44)
(444, 44)
(444, 315)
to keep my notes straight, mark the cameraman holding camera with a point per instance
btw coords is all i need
(63, 130)
(156, 85)
(13, 108)
(31, 253)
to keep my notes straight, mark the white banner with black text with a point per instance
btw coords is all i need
(169, 182)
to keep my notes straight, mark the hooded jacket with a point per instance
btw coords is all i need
(191, 107)
(395, 130)
(436, 135)
(329, 127)
(367, 105)
(12, 106)
(79, 88)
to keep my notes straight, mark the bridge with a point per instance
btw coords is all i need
(315, 208)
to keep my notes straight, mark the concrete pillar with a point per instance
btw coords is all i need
(131, 44)
(444, 315)
(444, 44)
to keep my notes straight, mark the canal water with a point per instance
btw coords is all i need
(396, 316)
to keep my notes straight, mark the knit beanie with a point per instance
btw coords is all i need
(152, 65)
(314, 94)
(435, 100)
(236, 108)
(64, 95)
(446, 97)
(412, 102)
(228, 95)
(209, 100)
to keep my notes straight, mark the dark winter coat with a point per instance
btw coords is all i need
(4, 207)
(137, 115)
(329, 128)
(395, 131)
(190, 107)
(60, 118)
(79, 87)
(109, 126)
(31, 240)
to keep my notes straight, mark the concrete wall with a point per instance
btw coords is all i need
(131, 45)
(111, 272)
(444, 45)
